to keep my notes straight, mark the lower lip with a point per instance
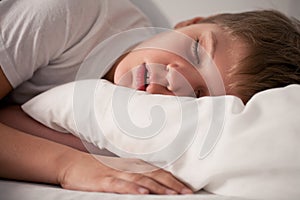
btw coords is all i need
(140, 77)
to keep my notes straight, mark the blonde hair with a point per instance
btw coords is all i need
(274, 45)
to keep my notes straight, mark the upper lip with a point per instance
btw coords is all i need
(142, 75)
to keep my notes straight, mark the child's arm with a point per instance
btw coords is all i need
(8, 116)
(26, 124)
(30, 158)
(26, 157)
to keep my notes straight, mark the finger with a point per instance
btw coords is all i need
(168, 180)
(147, 182)
(116, 185)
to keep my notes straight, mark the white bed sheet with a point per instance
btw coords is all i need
(14, 190)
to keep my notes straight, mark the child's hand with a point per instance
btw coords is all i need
(84, 172)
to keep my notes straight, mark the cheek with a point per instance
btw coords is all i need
(157, 56)
(122, 77)
(165, 53)
(125, 66)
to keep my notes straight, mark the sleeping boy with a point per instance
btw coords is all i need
(236, 54)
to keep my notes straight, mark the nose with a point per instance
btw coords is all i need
(168, 80)
(179, 80)
(158, 79)
(158, 74)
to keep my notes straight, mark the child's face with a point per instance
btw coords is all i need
(191, 61)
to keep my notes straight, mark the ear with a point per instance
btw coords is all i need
(188, 22)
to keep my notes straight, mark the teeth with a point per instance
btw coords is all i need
(147, 77)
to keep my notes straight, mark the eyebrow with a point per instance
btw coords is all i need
(212, 44)
(209, 47)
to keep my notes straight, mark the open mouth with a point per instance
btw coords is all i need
(143, 78)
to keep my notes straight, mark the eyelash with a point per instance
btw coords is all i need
(195, 50)
(196, 55)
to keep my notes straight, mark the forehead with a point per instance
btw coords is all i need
(198, 29)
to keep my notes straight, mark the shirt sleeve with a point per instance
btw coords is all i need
(33, 33)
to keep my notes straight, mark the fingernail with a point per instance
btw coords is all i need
(170, 192)
(143, 191)
(186, 191)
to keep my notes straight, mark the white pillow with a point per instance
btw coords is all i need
(212, 143)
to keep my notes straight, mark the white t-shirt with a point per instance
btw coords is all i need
(43, 42)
